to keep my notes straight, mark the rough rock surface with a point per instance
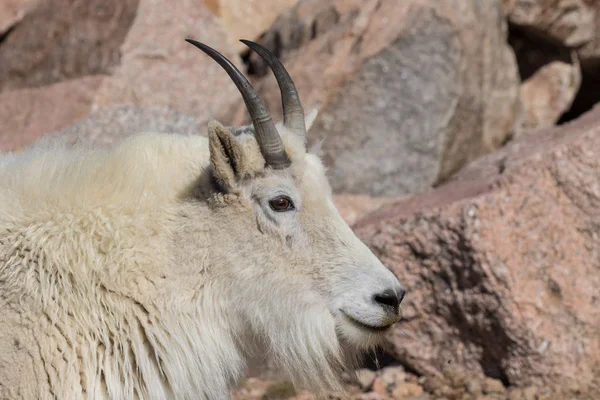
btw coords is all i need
(547, 94)
(12, 12)
(57, 40)
(352, 207)
(28, 114)
(101, 55)
(108, 125)
(158, 68)
(247, 19)
(590, 52)
(393, 382)
(570, 22)
(408, 92)
(502, 264)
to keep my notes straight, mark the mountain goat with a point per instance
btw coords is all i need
(156, 268)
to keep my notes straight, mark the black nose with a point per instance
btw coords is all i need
(390, 298)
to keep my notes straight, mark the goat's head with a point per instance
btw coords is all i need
(286, 237)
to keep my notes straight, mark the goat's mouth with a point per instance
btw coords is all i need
(368, 327)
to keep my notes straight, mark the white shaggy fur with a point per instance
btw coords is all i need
(128, 272)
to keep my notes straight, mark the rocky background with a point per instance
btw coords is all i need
(461, 136)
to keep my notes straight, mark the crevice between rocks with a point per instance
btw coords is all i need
(4, 35)
(587, 96)
(533, 51)
(289, 32)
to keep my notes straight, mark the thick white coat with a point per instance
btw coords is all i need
(127, 272)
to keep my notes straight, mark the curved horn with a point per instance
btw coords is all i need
(269, 141)
(293, 112)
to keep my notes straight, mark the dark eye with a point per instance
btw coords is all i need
(281, 203)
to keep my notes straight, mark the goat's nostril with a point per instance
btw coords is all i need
(389, 298)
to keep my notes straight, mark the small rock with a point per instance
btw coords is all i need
(407, 390)
(305, 396)
(388, 379)
(474, 387)
(380, 387)
(444, 391)
(459, 379)
(392, 375)
(430, 384)
(515, 394)
(547, 94)
(252, 388)
(491, 385)
(279, 390)
(365, 378)
(528, 393)
(371, 396)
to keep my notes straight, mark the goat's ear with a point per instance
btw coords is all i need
(226, 155)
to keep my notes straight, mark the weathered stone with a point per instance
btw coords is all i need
(28, 114)
(407, 390)
(58, 40)
(570, 22)
(502, 264)
(547, 94)
(388, 379)
(365, 378)
(12, 12)
(491, 386)
(109, 124)
(252, 389)
(305, 396)
(353, 207)
(408, 91)
(474, 387)
(158, 68)
(279, 390)
(380, 387)
(370, 396)
(528, 393)
(589, 53)
(247, 19)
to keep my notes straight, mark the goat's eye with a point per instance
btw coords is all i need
(281, 203)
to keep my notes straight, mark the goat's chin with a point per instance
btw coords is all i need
(357, 337)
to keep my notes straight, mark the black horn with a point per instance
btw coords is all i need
(269, 141)
(293, 112)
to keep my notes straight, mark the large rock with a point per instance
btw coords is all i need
(108, 125)
(502, 264)
(28, 114)
(158, 68)
(354, 207)
(408, 91)
(570, 22)
(102, 56)
(57, 40)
